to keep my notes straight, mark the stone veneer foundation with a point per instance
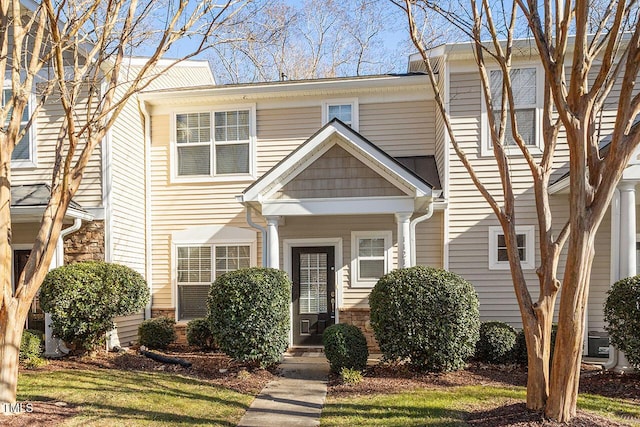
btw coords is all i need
(86, 244)
(361, 317)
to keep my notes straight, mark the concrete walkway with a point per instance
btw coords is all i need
(296, 398)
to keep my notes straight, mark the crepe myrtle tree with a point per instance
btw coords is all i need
(75, 53)
(590, 55)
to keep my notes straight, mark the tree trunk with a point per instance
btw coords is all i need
(538, 338)
(10, 336)
(565, 378)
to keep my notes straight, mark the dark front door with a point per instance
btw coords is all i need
(314, 294)
(35, 320)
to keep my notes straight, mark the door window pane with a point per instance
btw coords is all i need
(313, 283)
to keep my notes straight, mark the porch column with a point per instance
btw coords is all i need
(627, 228)
(627, 247)
(404, 239)
(273, 244)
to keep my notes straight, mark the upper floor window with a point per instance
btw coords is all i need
(214, 144)
(345, 110)
(498, 258)
(526, 87)
(24, 152)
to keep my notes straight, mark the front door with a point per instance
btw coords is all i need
(35, 320)
(314, 294)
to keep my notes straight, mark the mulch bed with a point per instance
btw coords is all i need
(381, 379)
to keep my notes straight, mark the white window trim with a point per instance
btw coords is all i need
(486, 148)
(243, 177)
(527, 264)
(355, 282)
(211, 243)
(32, 162)
(355, 122)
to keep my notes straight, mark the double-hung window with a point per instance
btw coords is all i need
(214, 144)
(370, 256)
(525, 88)
(498, 258)
(345, 110)
(23, 153)
(198, 266)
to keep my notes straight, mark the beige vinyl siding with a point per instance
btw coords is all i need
(180, 206)
(400, 128)
(127, 328)
(470, 216)
(24, 233)
(429, 238)
(48, 123)
(337, 174)
(282, 130)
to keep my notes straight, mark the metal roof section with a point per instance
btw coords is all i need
(32, 199)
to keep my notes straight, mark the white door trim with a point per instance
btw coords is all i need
(336, 243)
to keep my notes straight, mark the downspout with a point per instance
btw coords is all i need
(147, 209)
(54, 347)
(263, 233)
(612, 362)
(412, 226)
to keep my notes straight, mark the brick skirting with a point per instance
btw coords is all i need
(360, 317)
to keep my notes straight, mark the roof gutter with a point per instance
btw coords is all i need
(263, 231)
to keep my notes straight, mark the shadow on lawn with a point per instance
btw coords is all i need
(391, 415)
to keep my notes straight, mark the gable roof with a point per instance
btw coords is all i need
(288, 168)
(36, 197)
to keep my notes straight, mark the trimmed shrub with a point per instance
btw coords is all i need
(84, 298)
(426, 316)
(199, 334)
(496, 343)
(622, 314)
(345, 347)
(31, 345)
(350, 376)
(157, 333)
(249, 314)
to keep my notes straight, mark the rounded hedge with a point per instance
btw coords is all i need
(199, 334)
(85, 297)
(427, 316)
(622, 314)
(345, 347)
(249, 314)
(31, 345)
(158, 332)
(497, 342)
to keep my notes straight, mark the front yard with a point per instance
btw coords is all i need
(131, 390)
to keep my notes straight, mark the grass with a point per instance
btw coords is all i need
(120, 398)
(448, 407)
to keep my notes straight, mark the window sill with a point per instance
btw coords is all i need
(363, 284)
(211, 180)
(23, 164)
(511, 151)
(505, 266)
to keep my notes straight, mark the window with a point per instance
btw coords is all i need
(24, 153)
(346, 110)
(525, 84)
(370, 257)
(214, 144)
(498, 259)
(195, 273)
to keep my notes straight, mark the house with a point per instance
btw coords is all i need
(337, 181)
(107, 220)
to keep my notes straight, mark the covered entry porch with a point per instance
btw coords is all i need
(339, 213)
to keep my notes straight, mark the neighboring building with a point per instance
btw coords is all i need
(107, 220)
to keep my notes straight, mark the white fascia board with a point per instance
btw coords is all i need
(632, 172)
(338, 206)
(288, 89)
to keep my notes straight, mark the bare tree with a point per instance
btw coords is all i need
(311, 39)
(74, 52)
(586, 52)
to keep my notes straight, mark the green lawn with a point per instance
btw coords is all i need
(448, 407)
(122, 398)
